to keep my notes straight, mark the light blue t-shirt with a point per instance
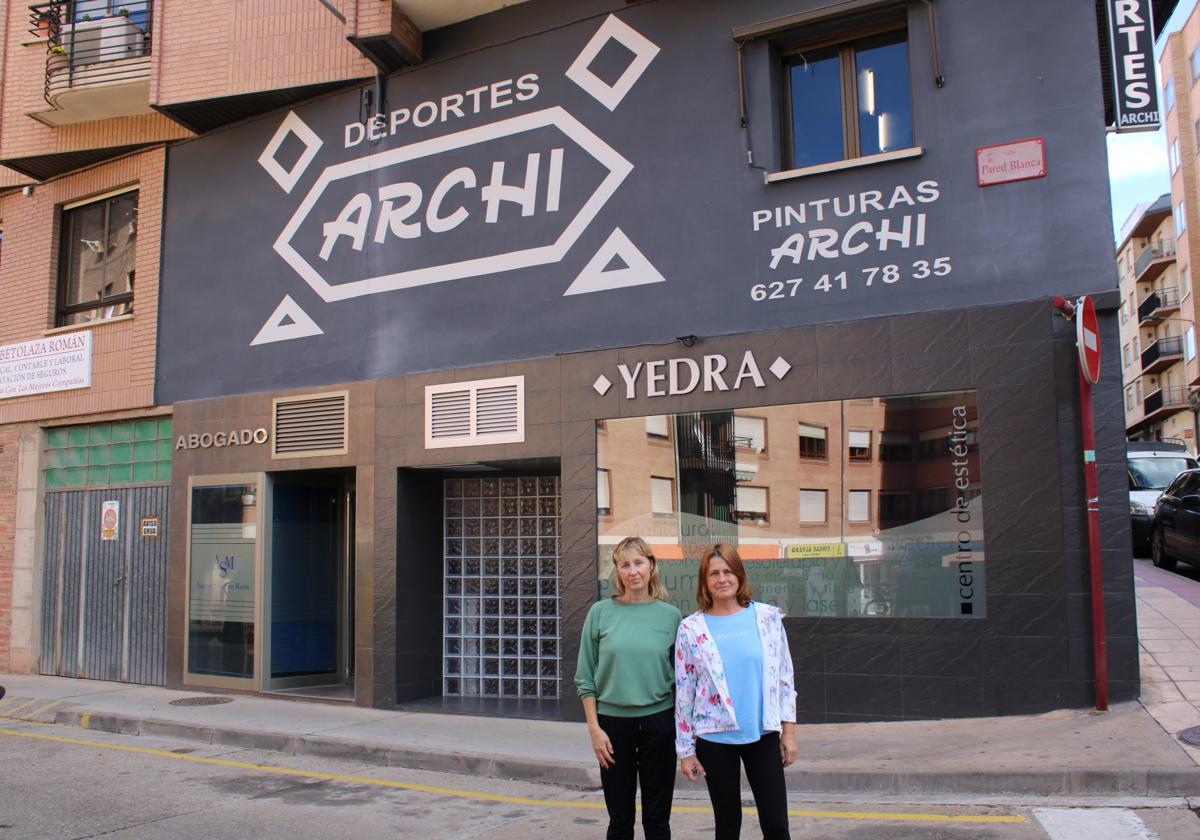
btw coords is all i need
(741, 653)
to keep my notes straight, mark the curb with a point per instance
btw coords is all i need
(1145, 781)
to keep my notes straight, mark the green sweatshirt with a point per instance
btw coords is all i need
(625, 657)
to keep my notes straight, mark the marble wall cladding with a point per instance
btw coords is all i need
(1032, 651)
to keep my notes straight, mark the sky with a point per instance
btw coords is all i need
(1137, 163)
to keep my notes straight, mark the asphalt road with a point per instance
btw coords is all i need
(65, 783)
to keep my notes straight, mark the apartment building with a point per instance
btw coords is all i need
(92, 92)
(1158, 340)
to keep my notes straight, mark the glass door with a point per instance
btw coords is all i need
(223, 581)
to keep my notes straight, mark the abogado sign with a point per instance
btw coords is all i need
(1131, 41)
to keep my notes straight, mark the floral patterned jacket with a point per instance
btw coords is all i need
(702, 701)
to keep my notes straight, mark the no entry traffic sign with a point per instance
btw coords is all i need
(1087, 338)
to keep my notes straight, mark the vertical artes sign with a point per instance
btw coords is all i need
(1131, 41)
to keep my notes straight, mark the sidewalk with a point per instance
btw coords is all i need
(1130, 751)
(1168, 611)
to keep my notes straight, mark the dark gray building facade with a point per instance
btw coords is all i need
(772, 273)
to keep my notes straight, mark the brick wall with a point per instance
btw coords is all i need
(123, 349)
(23, 87)
(227, 47)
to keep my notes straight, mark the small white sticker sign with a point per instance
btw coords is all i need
(56, 363)
(110, 520)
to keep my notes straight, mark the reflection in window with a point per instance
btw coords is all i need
(96, 264)
(835, 531)
(812, 442)
(859, 442)
(812, 506)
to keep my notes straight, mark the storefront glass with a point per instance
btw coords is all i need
(855, 508)
(221, 580)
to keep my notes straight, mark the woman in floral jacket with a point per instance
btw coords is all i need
(735, 702)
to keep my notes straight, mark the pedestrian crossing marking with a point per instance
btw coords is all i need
(589, 805)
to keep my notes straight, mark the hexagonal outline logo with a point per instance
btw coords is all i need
(556, 116)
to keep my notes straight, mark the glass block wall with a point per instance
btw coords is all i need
(125, 452)
(501, 610)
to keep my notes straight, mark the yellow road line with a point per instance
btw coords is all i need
(12, 711)
(492, 797)
(40, 709)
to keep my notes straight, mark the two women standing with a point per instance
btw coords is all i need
(734, 700)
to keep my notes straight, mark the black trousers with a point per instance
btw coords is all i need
(722, 765)
(643, 750)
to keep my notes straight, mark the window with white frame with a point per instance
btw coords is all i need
(813, 507)
(1180, 218)
(750, 432)
(1129, 398)
(1173, 155)
(662, 496)
(1194, 64)
(1125, 356)
(858, 506)
(1189, 343)
(1169, 94)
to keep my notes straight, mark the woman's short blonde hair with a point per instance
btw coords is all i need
(730, 555)
(637, 545)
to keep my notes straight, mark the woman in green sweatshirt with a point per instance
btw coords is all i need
(626, 681)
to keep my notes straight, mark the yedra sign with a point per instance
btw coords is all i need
(1131, 41)
(510, 194)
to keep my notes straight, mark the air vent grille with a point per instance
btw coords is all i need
(314, 425)
(475, 413)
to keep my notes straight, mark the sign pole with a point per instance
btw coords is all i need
(1087, 333)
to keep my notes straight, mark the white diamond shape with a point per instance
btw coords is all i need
(287, 178)
(643, 50)
(779, 367)
(602, 384)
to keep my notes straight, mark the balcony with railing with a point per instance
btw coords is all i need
(1162, 402)
(1162, 354)
(1154, 260)
(97, 58)
(1157, 305)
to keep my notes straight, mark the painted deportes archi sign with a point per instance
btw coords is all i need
(1131, 41)
(415, 231)
(683, 375)
(217, 440)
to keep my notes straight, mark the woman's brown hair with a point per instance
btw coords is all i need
(730, 555)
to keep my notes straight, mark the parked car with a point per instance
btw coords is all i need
(1151, 466)
(1175, 530)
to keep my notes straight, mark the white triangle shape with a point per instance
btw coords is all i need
(274, 329)
(594, 278)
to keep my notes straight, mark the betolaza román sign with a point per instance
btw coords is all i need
(589, 185)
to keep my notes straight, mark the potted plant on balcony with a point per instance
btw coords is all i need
(123, 12)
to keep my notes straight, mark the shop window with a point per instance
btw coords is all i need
(102, 454)
(96, 259)
(603, 492)
(895, 446)
(750, 433)
(858, 444)
(656, 427)
(751, 504)
(813, 506)
(848, 99)
(662, 496)
(812, 442)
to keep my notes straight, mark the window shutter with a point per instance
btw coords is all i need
(752, 499)
(657, 425)
(859, 508)
(603, 496)
(662, 495)
(311, 425)
(751, 432)
(895, 438)
(475, 413)
(860, 439)
(817, 432)
(812, 505)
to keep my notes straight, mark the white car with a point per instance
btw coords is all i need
(1151, 466)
